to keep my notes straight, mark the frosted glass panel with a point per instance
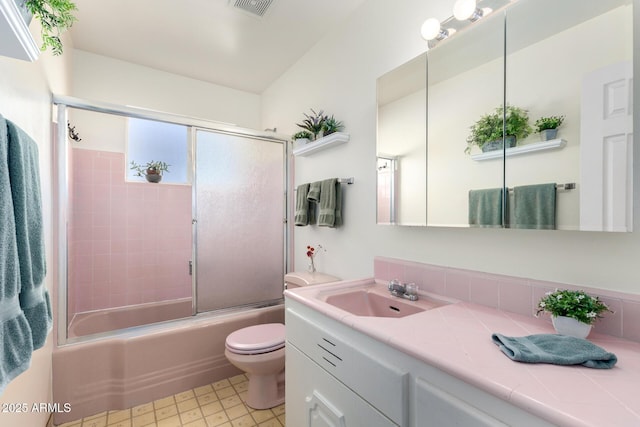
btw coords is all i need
(240, 211)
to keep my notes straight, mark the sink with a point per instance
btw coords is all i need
(374, 303)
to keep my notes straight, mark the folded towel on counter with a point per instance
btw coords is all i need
(15, 333)
(302, 205)
(329, 193)
(485, 207)
(24, 175)
(534, 206)
(555, 349)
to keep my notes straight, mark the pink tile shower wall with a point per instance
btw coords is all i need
(514, 294)
(129, 243)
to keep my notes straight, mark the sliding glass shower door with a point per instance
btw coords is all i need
(239, 212)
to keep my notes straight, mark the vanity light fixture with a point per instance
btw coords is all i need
(465, 12)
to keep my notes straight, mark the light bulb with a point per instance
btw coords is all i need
(430, 29)
(464, 9)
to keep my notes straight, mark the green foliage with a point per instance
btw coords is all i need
(331, 125)
(313, 122)
(576, 304)
(303, 134)
(551, 122)
(55, 17)
(152, 167)
(490, 126)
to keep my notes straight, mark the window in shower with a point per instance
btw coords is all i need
(150, 140)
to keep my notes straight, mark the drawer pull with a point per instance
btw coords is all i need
(331, 353)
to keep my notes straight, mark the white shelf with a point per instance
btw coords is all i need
(17, 41)
(553, 144)
(323, 143)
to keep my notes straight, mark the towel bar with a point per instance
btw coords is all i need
(567, 186)
(348, 181)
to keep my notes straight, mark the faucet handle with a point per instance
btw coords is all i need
(411, 289)
(393, 284)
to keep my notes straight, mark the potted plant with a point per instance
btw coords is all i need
(489, 131)
(302, 137)
(313, 123)
(55, 16)
(331, 125)
(572, 312)
(152, 170)
(547, 127)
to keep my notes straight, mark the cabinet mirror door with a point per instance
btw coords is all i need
(402, 144)
(572, 65)
(465, 85)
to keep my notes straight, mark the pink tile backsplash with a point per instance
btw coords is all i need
(119, 253)
(508, 293)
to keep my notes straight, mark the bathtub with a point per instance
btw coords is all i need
(148, 363)
(94, 322)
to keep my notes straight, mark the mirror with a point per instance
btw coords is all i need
(402, 144)
(574, 62)
(465, 81)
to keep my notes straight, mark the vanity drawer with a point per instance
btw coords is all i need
(382, 385)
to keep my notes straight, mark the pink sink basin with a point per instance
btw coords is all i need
(363, 302)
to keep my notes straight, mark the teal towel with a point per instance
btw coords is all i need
(555, 349)
(329, 190)
(302, 205)
(16, 343)
(534, 206)
(24, 173)
(485, 208)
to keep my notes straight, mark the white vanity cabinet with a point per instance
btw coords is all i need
(339, 377)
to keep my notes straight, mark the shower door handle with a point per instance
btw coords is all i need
(190, 267)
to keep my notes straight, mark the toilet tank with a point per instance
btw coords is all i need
(298, 279)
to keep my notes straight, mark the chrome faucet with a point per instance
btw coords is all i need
(408, 290)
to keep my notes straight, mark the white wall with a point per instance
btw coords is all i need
(99, 78)
(339, 75)
(25, 99)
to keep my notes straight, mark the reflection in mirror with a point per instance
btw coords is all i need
(401, 144)
(386, 189)
(465, 82)
(574, 63)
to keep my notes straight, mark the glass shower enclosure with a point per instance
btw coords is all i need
(132, 252)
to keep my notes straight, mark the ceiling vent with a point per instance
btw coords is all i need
(254, 7)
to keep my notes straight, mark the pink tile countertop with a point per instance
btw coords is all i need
(562, 395)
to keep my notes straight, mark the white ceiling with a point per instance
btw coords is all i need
(209, 40)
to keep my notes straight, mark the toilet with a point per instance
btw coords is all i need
(259, 350)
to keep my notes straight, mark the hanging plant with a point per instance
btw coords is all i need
(55, 16)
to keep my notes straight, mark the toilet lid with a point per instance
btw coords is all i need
(256, 339)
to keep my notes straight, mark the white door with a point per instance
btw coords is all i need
(606, 149)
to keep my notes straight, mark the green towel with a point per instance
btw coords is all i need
(24, 173)
(329, 194)
(555, 349)
(302, 205)
(485, 208)
(16, 343)
(314, 192)
(534, 206)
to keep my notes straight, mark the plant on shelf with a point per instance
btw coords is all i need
(302, 135)
(55, 16)
(548, 126)
(489, 131)
(578, 305)
(313, 123)
(331, 125)
(152, 170)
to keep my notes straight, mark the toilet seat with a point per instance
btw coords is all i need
(256, 339)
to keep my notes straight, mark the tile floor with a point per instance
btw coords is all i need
(220, 404)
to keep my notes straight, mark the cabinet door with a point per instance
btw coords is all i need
(317, 399)
(437, 408)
